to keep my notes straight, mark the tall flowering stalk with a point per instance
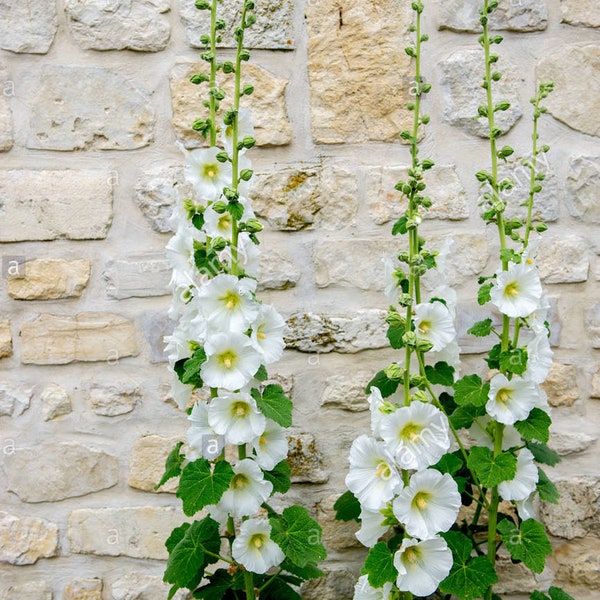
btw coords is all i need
(225, 337)
(409, 478)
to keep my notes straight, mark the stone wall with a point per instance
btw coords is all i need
(93, 98)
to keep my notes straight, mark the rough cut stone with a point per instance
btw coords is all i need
(583, 188)
(514, 578)
(137, 532)
(564, 260)
(6, 122)
(592, 321)
(32, 590)
(580, 12)
(6, 347)
(575, 72)
(54, 471)
(23, 540)
(595, 393)
(312, 332)
(91, 108)
(571, 443)
(462, 94)
(561, 385)
(142, 586)
(139, 276)
(267, 104)
(272, 30)
(48, 205)
(157, 325)
(147, 463)
(119, 25)
(337, 535)
(579, 565)
(55, 402)
(350, 46)
(277, 272)
(84, 589)
(50, 279)
(14, 399)
(305, 459)
(347, 391)
(27, 27)
(59, 340)
(443, 187)
(113, 400)
(298, 198)
(524, 15)
(336, 584)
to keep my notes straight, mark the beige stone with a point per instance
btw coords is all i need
(337, 535)
(561, 385)
(571, 443)
(595, 393)
(592, 322)
(6, 347)
(32, 590)
(336, 584)
(57, 339)
(115, 399)
(147, 463)
(142, 586)
(277, 271)
(514, 578)
(50, 279)
(84, 589)
(347, 391)
(564, 260)
(55, 402)
(14, 398)
(24, 540)
(27, 27)
(305, 459)
(580, 12)
(579, 565)
(139, 276)
(6, 121)
(575, 72)
(267, 104)
(47, 205)
(350, 46)
(583, 188)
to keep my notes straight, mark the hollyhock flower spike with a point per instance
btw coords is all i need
(511, 400)
(253, 547)
(433, 322)
(247, 490)
(517, 292)
(236, 417)
(206, 173)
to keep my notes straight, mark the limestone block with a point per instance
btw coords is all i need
(55, 402)
(115, 399)
(337, 535)
(592, 321)
(277, 271)
(462, 94)
(564, 260)
(570, 443)
(59, 340)
(524, 15)
(579, 565)
(575, 72)
(84, 589)
(347, 391)
(595, 393)
(52, 471)
(14, 398)
(23, 540)
(267, 104)
(137, 275)
(147, 463)
(305, 459)
(91, 109)
(27, 26)
(580, 12)
(297, 198)
(514, 578)
(142, 586)
(583, 188)
(272, 30)
(443, 187)
(137, 532)
(561, 385)
(157, 325)
(50, 279)
(313, 332)
(6, 347)
(6, 121)
(121, 25)
(48, 205)
(336, 584)
(32, 590)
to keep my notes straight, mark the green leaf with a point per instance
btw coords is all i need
(492, 470)
(379, 565)
(559, 594)
(483, 295)
(200, 485)
(449, 463)
(176, 536)
(470, 390)
(536, 426)
(536, 595)
(394, 335)
(400, 226)
(481, 328)
(464, 416)
(275, 405)
(261, 374)
(298, 535)
(279, 476)
(471, 579)
(191, 368)
(235, 209)
(493, 358)
(347, 507)
(460, 545)
(220, 582)
(529, 544)
(509, 255)
(385, 385)
(309, 571)
(543, 454)
(546, 488)
(513, 361)
(172, 465)
(278, 589)
(440, 374)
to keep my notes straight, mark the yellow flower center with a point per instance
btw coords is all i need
(420, 500)
(383, 470)
(257, 540)
(240, 409)
(231, 300)
(224, 221)
(411, 555)
(512, 289)
(211, 171)
(259, 334)
(424, 326)
(227, 358)
(503, 396)
(262, 440)
(239, 481)
(411, 432)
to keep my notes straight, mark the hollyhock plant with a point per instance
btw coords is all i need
(253, 547)
(433, 322)
(517, 291)
(247, 490)
(236, 417)
(511, 400)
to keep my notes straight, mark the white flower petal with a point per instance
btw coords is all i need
(253, 547)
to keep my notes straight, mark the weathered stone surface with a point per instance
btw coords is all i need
(84, 589)
(138, 532)
(561, 385)
(595, 392)
(347, 391)
(51, 471)
(580, 12)
(32, 590)
(312, 332)
(55, 402)
(58, 340)
(575, 72)
(47, 205)
(157, 325)
(583, 188)
(360, 43)
(6, 122)
(27, 26)
(277, 272)
(336, 584)
(23, 540)
(305, 459)
(267, 104)
(272, 30)
(337, 535)
(524, 15)
(298, 198)
(142, 586)
(514, 578)
(6, 347)
(570, 443)
(120, 25)
(139, 276)
(91, 108)
(113, 400)
(462, 94)
(14, 399)
(564, 260)
(579, 565)
(577, 512)
(592, 321)
(50, 279)
(147, 463)
(443, 187)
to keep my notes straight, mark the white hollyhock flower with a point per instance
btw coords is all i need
(253, 547)
(537, 319)
(517, 292)
(511, 401)
(267, 334)
(428, 505)
(478, 431)
(433, 322)
(220, 224)
(245, 129)
(373, 477)
(271, 446)
(364, 591)
(177, 345)
(375, 400)
(180, 253)
(247, 490)
(206, 173)
(201, 437)
(525, 480)
(371, 528)
(231, 361)
(417, 435)
(390, 267)
(422, 566)
(181, 393)
(539, 357)
(525, 508)
(248, 255)
(237, 417)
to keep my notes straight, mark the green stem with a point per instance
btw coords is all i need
(249, 585)
(213, 74)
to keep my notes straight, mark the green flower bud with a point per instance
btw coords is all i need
(420, 396)
(395, 319)
(410, 339)
(394, 372)
(245, 55)
(246, 174)
(228, 67)
(219, 207)
(198, 78)
(405, 300)
(222, 157)
(247, 90)
(220, 24)
(202, 5)
(253, 226)
(248, 141)
(218, 244)
(205, 39)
